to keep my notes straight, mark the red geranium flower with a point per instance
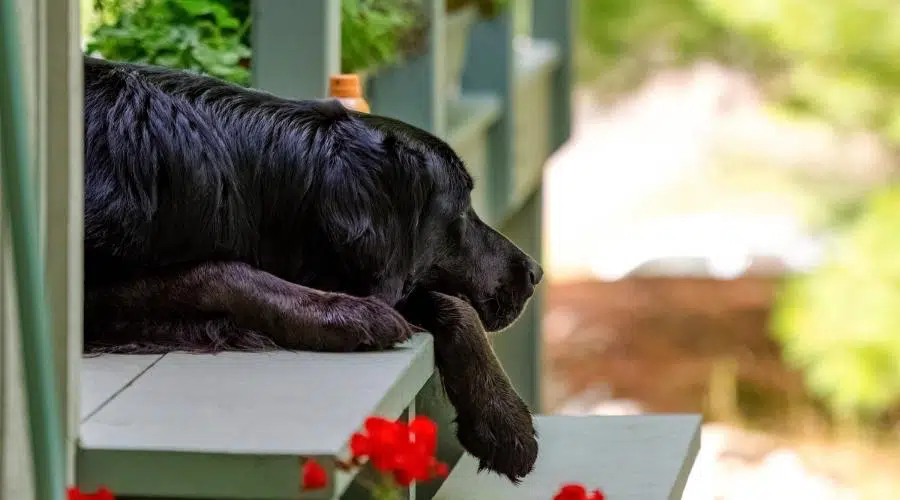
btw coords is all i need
(404, 451)
(424, 433)
(314, 476)
(74, 493)
(578, 492)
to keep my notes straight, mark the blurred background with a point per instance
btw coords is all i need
(720, 231)
(722, 237)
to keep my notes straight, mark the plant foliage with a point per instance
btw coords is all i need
(198, 35)
(841, 324)
(213, 36)
(378, 33)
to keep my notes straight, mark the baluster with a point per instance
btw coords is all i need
(296, 46)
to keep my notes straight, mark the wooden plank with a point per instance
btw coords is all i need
(490, 69)
(17, 479)
(469, 119)
(64, 205)
(536, 63)
(414, 91)
(643, 457)
(534, 57)
(469, 115)
(519, 346)
(194, 418)
(296, 46)
(103, 377)
(553, 20)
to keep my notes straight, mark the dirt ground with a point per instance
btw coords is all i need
(660, 340)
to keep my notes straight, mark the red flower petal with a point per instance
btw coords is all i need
(360, 445)
(597, 495)
(404, 451)
(424, 432)
(572, 492)
(102, 493)
(314, 476)
(384, 462)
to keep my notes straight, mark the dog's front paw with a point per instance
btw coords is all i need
(501, 436)
(342, 323)
(369, 323)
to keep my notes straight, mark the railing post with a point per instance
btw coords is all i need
(519, 347)
(552, 20)
(296, 46)
(414, 91)
(490, 68)
(63, 137)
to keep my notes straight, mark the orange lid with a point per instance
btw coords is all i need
(345, 85)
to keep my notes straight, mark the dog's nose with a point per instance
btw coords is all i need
(535, 272)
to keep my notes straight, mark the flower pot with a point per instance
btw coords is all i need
(458, 27)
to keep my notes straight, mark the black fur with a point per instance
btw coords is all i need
(218, 217)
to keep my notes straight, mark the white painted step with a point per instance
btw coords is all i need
(234, 425)
(630, 457)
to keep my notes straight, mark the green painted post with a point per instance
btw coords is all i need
(21, 215)
(296, 46)
(433, 402)
(519, 347)
(490, 69)
(413, 91)
(552, 20)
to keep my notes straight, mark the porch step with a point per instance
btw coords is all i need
(235, 425)
(634, 457)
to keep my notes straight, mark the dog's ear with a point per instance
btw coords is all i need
(371, 194)
(349, 204)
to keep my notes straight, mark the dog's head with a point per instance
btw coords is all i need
(436, 236)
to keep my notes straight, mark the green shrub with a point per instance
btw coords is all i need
(212, 36)
(840, 325)
(377, 33)
(199, 35)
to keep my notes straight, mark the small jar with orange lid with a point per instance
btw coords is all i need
(347, 89)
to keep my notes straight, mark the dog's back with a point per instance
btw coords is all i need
(183, 168)
(144, 173)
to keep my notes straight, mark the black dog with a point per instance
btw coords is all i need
(218, 217)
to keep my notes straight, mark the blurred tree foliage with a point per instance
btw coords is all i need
(838, 60)
(843, 55)
(621, 42)
(841, 324)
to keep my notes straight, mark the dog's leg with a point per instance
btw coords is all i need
(493, 423)
(217, 295)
